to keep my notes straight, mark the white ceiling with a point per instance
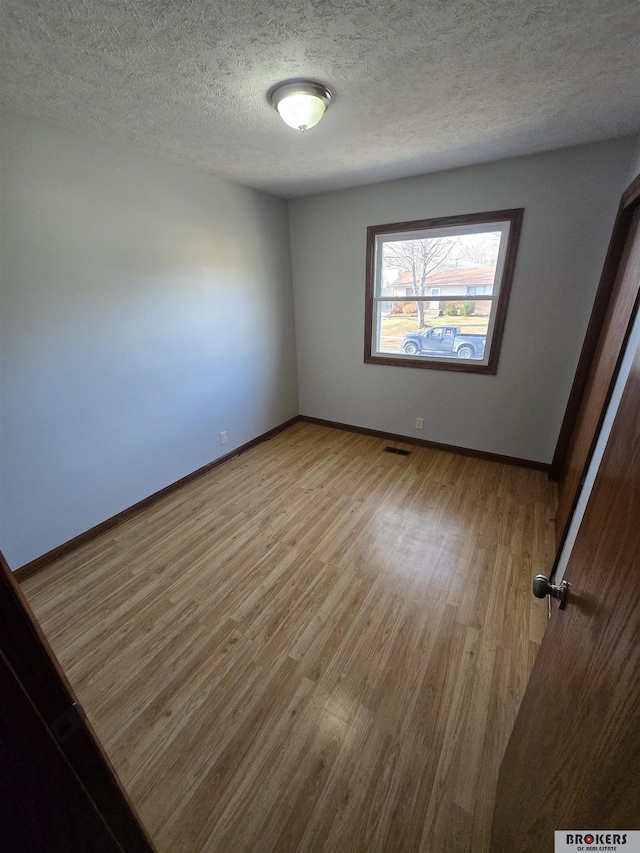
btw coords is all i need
(419, 85)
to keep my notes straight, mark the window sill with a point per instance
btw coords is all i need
(463, 366)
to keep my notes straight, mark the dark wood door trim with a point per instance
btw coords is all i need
(30, 657)
(560, 542)
(629, 202)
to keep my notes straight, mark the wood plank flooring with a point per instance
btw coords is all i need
(318, 646)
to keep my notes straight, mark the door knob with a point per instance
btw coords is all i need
(543, 587)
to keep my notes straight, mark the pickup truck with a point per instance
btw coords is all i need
(444, 340)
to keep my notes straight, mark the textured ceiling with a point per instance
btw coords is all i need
(419, 85)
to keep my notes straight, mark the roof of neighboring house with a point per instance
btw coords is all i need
(481, 275)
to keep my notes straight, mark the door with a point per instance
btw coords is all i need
(43, 806)
(573, 757)
(605, 339)
(57, 788)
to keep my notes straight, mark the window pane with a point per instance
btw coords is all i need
(402, 325)
(453, 265)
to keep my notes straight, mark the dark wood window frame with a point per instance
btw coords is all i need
(514, 217)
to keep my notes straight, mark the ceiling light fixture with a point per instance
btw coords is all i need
(301, 104)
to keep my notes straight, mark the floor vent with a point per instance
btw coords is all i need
(397, 450)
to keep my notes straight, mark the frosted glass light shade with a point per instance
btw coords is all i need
(301, 111)
(301, 105)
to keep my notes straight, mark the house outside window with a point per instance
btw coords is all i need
(437, 290)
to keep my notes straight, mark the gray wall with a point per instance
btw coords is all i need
(570, 199)
(144, 308)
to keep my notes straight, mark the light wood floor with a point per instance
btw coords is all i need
(318, 646)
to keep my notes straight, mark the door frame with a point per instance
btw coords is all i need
(30, 657)
(629, 204)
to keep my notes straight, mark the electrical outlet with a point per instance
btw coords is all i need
(223, 437)
(419, 423)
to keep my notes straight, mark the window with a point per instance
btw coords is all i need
(437, 290)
